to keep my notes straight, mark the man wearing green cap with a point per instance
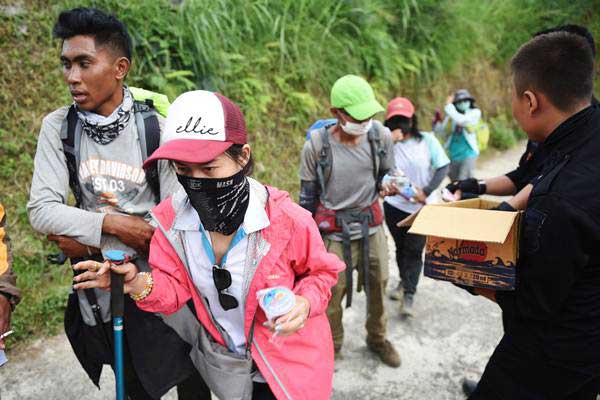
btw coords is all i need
(341, 172)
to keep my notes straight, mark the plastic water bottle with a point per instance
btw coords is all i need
(396, 178)
(408, 191)
(276, 302)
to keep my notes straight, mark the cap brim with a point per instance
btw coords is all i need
(465, 98)
(365, 110)
(189, 150)
(401, 113)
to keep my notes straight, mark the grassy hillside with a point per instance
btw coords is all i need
(278, 59)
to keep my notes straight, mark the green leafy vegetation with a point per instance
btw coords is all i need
(277, 59)
(504, 136)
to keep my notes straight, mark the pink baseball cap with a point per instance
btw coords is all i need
(201, 125)
(400, 106)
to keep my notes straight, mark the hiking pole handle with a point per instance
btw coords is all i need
(117, 298)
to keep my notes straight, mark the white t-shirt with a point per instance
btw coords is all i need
(417, 158)
(232, 321)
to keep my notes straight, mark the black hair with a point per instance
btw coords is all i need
(235, 152)
(558, 64)
(106, 29)
(397, 121)
(575, 29)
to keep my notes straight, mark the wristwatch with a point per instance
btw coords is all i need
(482, 186)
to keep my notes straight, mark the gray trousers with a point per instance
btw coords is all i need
(462, 169)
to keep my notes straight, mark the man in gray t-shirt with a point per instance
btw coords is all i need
(341, 170)
(114, 195)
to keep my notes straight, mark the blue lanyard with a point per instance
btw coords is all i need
(240, 234)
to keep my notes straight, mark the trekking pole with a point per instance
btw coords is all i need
(117, 300)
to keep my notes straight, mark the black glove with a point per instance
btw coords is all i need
(504, 206)
(470, 185)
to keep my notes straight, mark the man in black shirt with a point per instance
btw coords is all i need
(552, 350)
(529, 166)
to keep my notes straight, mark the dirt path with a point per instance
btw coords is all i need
(452, 335)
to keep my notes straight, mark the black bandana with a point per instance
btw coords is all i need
(220, 203)
(104, 130)
(104, 134)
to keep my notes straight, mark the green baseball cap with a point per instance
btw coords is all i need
(354, 95)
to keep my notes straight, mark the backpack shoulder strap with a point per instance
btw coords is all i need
(377, 151)
(323, 150)
(71, 140)
(146, 120)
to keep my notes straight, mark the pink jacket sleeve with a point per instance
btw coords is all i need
(170, 291)
(317, 269)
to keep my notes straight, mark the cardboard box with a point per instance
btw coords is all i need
(468, 243)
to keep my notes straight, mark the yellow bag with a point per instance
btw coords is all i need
(483, 133)
(160, 101)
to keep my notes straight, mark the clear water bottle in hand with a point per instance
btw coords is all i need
(401, 182)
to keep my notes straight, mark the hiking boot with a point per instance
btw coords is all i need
(386, 352)
(396, 293)
(469, 386)
(407, 309)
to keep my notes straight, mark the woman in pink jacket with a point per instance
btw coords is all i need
(220, 240)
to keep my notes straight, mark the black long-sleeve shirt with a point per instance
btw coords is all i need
(556, 305)
(530, 165)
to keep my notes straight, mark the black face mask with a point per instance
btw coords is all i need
(220, 203)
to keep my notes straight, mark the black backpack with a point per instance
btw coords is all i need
(325, 157)
(149, 134)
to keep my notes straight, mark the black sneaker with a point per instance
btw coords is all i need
(469, 386)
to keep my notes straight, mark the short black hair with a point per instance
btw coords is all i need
(558, 64)
(575, 29)
(105, 28)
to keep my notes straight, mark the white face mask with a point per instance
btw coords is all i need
(357, 129)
